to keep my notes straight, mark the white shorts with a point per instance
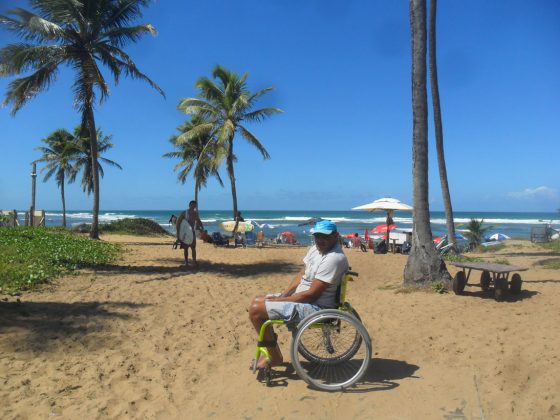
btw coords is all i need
(289, 311)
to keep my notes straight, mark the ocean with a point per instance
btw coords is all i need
(515, 225)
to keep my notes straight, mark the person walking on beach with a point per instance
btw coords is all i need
(313, 288)
(191, 215)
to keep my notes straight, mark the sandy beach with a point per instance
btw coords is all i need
(145, 338)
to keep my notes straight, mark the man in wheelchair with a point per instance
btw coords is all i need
(313, 288)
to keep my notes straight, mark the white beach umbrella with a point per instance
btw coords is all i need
(386, 204)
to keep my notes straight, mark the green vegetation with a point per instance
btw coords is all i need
(501, 261)
(128, 226)
(460, 258)
(475, 231)
(553, 264)
(29, 256)
(493, 248)
(553, 246)
(439, 287)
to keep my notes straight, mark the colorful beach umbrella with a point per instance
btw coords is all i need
(382, 228)
(387, 204)
(498, 237)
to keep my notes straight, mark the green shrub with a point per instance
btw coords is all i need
(29, 256)
(492, 248)
(460, 258)
(128, 226)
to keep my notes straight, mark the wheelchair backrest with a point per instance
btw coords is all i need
(343, 286)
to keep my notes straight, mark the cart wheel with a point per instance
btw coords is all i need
(515, 284)
(500, 289)
(485, 280)
(459, 282)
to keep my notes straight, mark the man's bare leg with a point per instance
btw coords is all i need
(186, 253)
(258, 315)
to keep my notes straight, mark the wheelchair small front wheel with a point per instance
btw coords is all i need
(337, 350)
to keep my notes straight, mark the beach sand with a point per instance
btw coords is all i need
(147, 339)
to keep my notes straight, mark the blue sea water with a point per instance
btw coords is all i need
(515, 225)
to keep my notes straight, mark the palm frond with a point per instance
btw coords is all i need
(247, 135)
(261, 114)
(25, 88)
(30, 26)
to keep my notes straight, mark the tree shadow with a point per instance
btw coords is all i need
(44, 326)
(380, 375)
(223, 269)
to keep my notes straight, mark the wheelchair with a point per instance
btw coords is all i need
(330, 350)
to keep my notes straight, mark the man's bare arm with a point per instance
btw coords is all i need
(312, 294)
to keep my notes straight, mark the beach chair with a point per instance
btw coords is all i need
(38, 218)
(9, 218)
(539, 234)
(250, 239)
(219, 240)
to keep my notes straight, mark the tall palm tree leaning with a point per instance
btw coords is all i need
(424, 264)
(58, 154)
(80, 34)
(226, 103)
(439, 130)
(83, 160)
(200, 152)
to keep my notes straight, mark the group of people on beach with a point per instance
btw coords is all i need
(313, 288)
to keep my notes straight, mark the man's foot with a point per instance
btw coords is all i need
(262, 363)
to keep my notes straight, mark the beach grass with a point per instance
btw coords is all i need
(30, 256)
(460, 258)
(553, 246)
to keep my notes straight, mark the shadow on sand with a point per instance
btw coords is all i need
(380, 376)
(222, 269)
(41, 326)
(489, 294)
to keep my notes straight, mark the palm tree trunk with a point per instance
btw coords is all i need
(439, 130)
(424, 263)
(88, 117)
(229, 167)
(63, 202)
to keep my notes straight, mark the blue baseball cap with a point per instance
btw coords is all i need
(324, 226)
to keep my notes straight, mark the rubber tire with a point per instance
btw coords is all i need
(515, 284)
(500, 289)
(348, 354)
(459, 282)
(485, 280)
(317, 317)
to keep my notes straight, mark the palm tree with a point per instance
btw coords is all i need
(58, 155)
(439, 130)
(226, 104)
(83, 161)
(81, 34)
(475, 232)
(424, 263)
(201, 152)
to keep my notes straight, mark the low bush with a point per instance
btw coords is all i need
(128, 226)
(29, 256)
(460, 258)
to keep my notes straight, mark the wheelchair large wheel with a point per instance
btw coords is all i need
(348, 354)
(337, 346)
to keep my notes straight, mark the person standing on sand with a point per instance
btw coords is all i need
(191, 215)
(313, 288)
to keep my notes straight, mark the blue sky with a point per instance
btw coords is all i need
(341, 72)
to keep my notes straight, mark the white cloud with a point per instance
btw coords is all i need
(535, 193)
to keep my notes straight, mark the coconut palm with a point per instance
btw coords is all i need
(424, 263)
(475, 232)
(227, 104)
(201, 152)
(439, 129)
(59, 153)
(81, 34)
(83, 161)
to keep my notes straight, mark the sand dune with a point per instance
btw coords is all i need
(147, 339)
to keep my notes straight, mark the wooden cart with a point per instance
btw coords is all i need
(496, 274)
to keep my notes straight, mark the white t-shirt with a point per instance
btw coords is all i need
(328, 268)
